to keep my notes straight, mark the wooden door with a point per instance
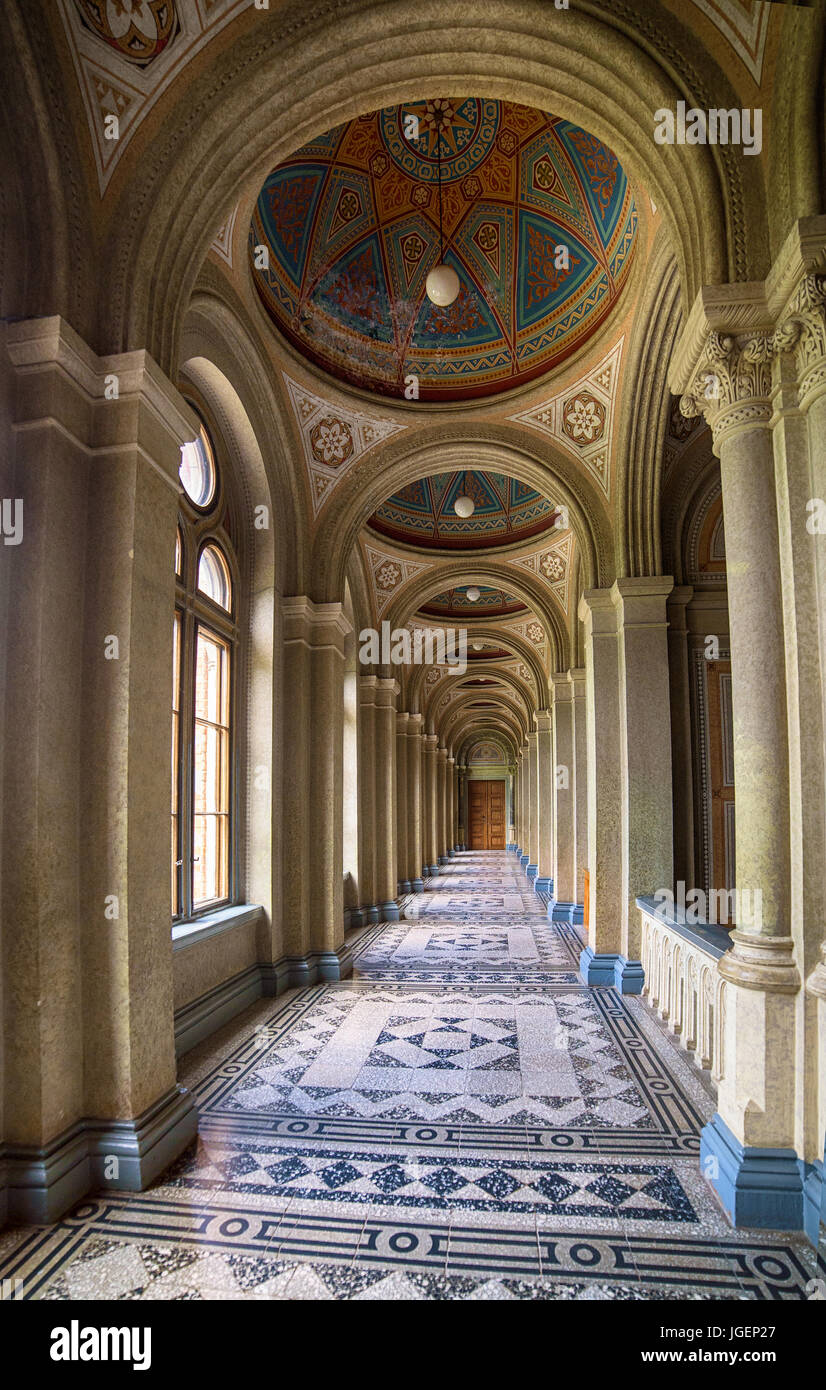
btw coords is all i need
(721, 769)
(486, 815)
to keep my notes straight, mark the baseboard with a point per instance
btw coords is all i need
(205, 1015)
(44, 1182)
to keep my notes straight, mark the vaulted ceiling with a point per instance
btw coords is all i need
(351, 222)
(505, 511)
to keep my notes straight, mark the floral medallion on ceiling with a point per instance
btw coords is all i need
(491, 603)
(505, 511)
(351, 223)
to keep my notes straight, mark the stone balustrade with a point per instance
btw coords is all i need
(682, 982)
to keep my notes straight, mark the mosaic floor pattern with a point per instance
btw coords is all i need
(461, 1120)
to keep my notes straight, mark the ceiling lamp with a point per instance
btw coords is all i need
(464, 506)
(442, 283)
(473, 593)
(477, 646)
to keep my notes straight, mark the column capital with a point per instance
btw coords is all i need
(577, 678)
(386, 691)
(441, 753)
(402, 718)
(641, 602)
(562, 688)
(317, 625)
(415, 723)
(544, 720)
(816, 983)
(597, 611)
(802, 330)
(531, 739)
(430, 742)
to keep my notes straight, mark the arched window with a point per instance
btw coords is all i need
(204, 657)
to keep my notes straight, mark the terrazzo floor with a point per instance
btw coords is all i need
(462, 1119)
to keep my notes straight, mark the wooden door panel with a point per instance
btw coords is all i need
(496, 815)
(477, 815)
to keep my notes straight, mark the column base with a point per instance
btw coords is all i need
(42, 1183)
(757, 1187)
(434, 870)
(523, 859)
(611, 968)
(814, 1200)
(371, 915)
(390, 911)
(451, 854)
(561, 911)
(358, 917)
(403, 887)
(532, 870)
(511, 848)
(443, 859)
(417, 884)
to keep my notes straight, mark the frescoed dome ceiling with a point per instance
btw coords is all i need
(351, 221)
(422, 514)
(491, 603)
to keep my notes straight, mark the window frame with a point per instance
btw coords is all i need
(195, 611)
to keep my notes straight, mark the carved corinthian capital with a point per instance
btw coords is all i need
(802, 330)
(732, 387)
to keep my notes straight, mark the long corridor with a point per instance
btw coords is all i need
(463, 1119)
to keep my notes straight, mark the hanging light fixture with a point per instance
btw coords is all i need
(442, 283)
(464, 506)
(477, 646)
(473, 593)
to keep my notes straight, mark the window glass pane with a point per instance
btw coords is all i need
(178, 551)
(210, 877)
(213, 577)
(197, 470)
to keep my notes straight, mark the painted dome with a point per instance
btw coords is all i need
(491, 603)
(506, 511)
(351, 223)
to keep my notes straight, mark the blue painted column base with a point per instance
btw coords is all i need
(611, 968)
(814, 1200)
(404, 887)
(434, 870)
(390, 912)
(757, 1187)
(523, 859)
(417, 885)
(510, 848)
(560, 912)
(532, 870)
(371, 915)
(543, 885)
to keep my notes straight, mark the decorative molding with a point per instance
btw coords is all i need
(744, 24)
(552, 564)
(388, 574)
(581, 417)
(222, 245)
(115, 81)
(333, 438)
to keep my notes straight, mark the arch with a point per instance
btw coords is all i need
(521, 648)
(497, 448)
(225, 133)
(452, 682)
(524, 585)
(227, 367)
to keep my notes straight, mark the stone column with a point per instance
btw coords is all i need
(461, 805)
(385, 799)
(682, 770)
(524, 848)
(368, 912)
(451, 808)
(544, 880)
(402, 854)
(431, 826)
(604, 771)
(579, 790)
(645, 759)
(441, 805)
(414, 801)
(87, 718)
(533, 807)
(747, 1150)
(562, 904)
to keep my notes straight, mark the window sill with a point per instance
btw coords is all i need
(212, 924)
